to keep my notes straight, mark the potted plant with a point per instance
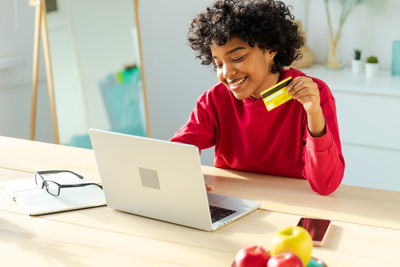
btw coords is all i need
(372, 66)
(357, 64)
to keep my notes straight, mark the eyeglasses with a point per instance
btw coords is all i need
(52, 187)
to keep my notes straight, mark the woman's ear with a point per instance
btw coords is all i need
(269, 55)
(272, 54)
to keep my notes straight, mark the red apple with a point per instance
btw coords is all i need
(253, 256)
(285, 259)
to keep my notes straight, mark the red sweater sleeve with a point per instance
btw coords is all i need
(200, 129)
(322, 156)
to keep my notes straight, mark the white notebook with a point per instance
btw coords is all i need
(37, 201)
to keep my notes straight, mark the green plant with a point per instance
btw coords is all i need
(372, 59)
(357, 54)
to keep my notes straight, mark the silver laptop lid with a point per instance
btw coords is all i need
(152, 178)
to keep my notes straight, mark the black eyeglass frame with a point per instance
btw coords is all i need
(45, 183)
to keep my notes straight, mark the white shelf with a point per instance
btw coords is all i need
(345, 81)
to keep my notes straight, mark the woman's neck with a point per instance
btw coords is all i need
(269, 81)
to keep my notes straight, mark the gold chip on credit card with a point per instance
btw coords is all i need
(276, 95)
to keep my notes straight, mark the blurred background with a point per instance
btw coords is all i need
(97, 73)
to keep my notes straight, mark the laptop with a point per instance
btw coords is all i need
(162, 180)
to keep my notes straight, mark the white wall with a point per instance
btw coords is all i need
(72, 112)
(104, 41)
(372, 26)
(15, 110)
(101, 40)
(16, 41)
(174, 79)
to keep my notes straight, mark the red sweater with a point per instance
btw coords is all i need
(249, 138)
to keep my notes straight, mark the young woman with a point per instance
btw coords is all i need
(249, 43)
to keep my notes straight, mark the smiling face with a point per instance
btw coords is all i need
(245, 70)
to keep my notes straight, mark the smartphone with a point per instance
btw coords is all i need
(318, 229)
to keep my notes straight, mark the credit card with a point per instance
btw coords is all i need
(276, 95)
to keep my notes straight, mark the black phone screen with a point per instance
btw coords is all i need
(316, 227)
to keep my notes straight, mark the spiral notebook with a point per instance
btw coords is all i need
(36, 201)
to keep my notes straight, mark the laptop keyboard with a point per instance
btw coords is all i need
(218, 213)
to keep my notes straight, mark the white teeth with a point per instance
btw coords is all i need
(236, 83)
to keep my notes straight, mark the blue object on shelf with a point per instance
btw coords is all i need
(123, 99)
(81, 141)
(396, 58)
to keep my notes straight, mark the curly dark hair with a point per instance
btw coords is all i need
(267, 23)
